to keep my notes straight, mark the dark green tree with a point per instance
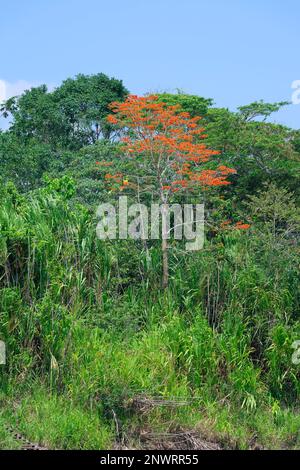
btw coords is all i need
(71, 116)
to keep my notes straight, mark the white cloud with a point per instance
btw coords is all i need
(8, 89)
(2, 91)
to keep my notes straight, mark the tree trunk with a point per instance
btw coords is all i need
(165, 261)
(164, 248)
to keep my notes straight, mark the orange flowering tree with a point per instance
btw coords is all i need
(167, 153)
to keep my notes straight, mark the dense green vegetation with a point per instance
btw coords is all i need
(98, 354)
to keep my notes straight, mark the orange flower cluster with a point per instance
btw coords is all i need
(225, 223)
(117, 177)
(238, 226)
(216, 177)
(242, 226)
(104, 163)
(170, 140)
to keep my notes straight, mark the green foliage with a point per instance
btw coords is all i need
(193, 104)
(87, 328)
(81, 166)
(276, 209)
(84, 313)
(260, 109)
(23, 163)
(84, 103)
(260, 152)
(64, 186)
(283, 374)
(54, 422)
(71, 116)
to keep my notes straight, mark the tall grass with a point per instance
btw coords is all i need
(86, 320)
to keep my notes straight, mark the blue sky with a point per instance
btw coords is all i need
(235, 51)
